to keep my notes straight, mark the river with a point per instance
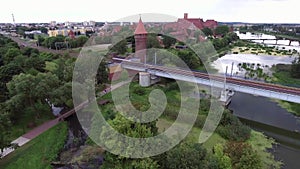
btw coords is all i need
(264, 115)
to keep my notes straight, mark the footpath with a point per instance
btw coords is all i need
(47, 125)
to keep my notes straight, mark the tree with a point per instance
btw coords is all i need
(120, 47)
(5, 128)
(224, 161)
(31, 92)
(152, 41)
(44, 30)
(207, 31)
(189, 58)
(222, 30)
(168, 41)
(243, 156)
(102, 73)
(295, 69)
(131, 129)
(10, 55)
(185, 155)
(232, 128)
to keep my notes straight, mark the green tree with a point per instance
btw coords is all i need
(243, 156)
(11, 54)
(185, 155)
(168, 41)
(189, 58)
(295, 69)
(131, 129)
(224, 161)
(207, 31)
(222, 30)
(152, 41)
(102, 73)
(31, 92)
(120, 47)
(5, 128)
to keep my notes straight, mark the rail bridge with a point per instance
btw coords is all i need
(290, 94)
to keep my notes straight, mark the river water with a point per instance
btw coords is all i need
(264, 115)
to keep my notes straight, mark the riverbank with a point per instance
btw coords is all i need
(260, 143)
(282, 76)
(293, 108)
(39, 152)
(139, 98)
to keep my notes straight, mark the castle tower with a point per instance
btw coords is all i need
(140, 36)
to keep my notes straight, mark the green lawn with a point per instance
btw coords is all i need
(284, 78)
(21, 128)
(39, 152)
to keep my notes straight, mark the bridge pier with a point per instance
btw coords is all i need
(146, 79)
(226, 96)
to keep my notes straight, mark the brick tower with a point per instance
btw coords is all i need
(140, 36)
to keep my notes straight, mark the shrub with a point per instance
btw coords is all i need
(231, 128)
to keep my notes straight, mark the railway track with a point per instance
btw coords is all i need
(254, 84)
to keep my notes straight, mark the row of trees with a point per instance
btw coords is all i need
(50, 42)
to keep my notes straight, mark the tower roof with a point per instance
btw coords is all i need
(140, 29)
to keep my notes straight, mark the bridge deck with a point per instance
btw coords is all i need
(259, 88)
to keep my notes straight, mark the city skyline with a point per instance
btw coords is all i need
(251, 11)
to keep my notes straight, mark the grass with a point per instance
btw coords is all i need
(261, 143)
(39, 152)
(164, 123)
(293, 108)
(21, 128)
(284, 78)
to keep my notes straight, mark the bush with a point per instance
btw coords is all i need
(231, 128)
(139, 91)
(235, 52)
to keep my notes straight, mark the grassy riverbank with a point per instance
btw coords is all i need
(258, 141)
(282, 76)
(39, 152)
(293, 108)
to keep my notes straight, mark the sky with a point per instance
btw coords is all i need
(252, 11)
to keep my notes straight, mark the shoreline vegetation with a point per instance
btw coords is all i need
(39, 152)
(260, 143)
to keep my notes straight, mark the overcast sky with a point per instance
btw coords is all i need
(258, 11)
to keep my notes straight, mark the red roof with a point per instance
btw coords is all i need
(140, 29)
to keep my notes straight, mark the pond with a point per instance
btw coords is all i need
(263, 60)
